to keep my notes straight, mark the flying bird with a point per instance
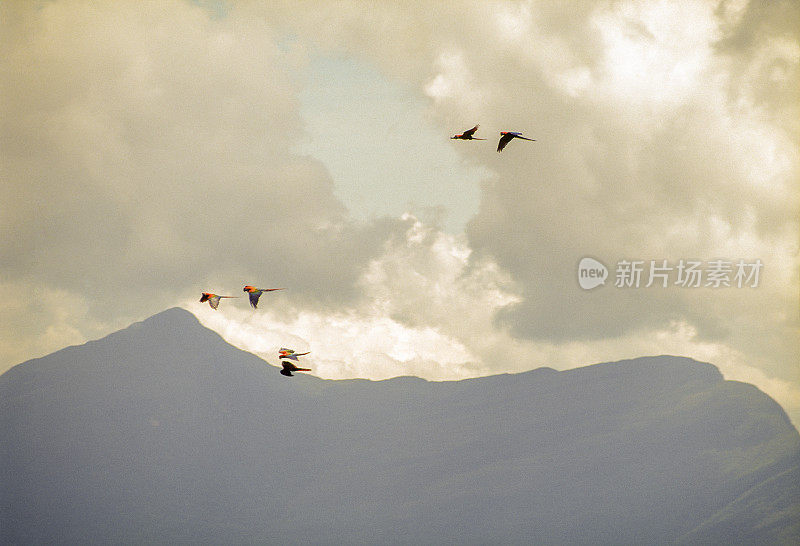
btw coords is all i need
(213, 299)
(507, 136)
(290, 354)
(255, 293)
(467, 135)
(288, 368)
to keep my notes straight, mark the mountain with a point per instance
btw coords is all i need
(164, 433)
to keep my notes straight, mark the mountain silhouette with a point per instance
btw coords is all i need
(164, 433)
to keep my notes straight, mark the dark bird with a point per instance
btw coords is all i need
(467, 135)
(255, 293)
(213, 299)
(507, 136)
(289, 367)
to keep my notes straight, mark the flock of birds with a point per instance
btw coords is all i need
(286, 355)
(505, 137)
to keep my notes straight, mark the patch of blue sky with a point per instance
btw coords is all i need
(384, 152)
(217, 8)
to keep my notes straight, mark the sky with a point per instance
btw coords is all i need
(152, 151)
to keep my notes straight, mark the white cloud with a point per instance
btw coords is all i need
(403, 323)
(513, 20)
(454, 82)
(425, 311)
(654, 55)
(151, 154)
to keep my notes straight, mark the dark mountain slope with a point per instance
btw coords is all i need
(163, 432)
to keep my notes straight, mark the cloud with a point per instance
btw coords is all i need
(760, 42)
(402, 323)
(663, 132)
(152, 153)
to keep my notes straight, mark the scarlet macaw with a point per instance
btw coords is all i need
(255, 293)
(213, 299)
(467, 135)
(288, 368)
(507, 136)
(290, 354)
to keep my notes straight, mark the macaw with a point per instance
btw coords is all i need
(290, 354)
(255, 293)
(467, 135)
(288, 368)
(507, 136)
(213, 299)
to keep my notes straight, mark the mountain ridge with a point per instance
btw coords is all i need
(162, 431)
(168, 317)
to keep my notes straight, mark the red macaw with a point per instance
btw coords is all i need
(290, 354)
(213, 299)
(288, 368)
(507, 136)
(255, 293)
(467, 135)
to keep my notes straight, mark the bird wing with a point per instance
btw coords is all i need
(288, 367)
(505, 139)
(470, 132)
(254, 299)
(213, 301)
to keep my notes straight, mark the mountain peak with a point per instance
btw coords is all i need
(172, 317)
(171, 331)
(165, 431)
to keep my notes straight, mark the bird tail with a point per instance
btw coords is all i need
(302, 369)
